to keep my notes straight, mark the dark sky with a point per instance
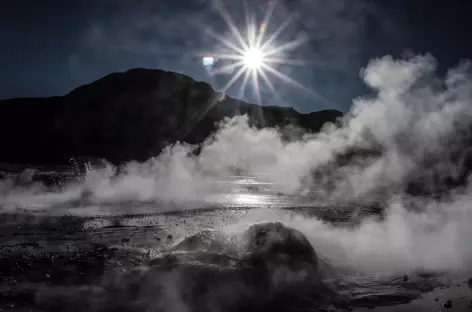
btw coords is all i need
(50, 47)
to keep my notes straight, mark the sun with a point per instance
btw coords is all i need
(253, 58)
(255, 54)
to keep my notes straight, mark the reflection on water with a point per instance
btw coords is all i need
(132, 230)
(249, 199)
(247, 192)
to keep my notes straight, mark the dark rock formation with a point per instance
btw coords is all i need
(226, 281)
(128, 116)
(270, 244)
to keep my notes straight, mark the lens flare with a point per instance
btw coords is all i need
(254, 54)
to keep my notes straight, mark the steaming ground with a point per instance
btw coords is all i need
(111, 233)
(52, 263)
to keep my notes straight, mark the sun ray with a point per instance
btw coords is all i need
(286, 61)
(225, 88)
(258, 96)
(249, 23)
(187, 127)
(230, 67)
(287, 46)
(291, 81)
(268, 82)
(225, 41)
(267, 18)
(229, 21)
(256, 85)
(251, 33)
(283, 77)
(226, 56)
(256, 56)
(242, 89)
(233, 80)
(277, 32)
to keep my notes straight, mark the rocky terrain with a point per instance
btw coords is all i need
(266, 267)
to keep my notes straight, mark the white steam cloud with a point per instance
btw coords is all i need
(415, 125)
(436, 240)
(414, 122)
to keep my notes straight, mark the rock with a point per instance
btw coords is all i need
(125, 240)
(405, 278)
(469, 282)
(447, 304)
(207, 240)
(169, 236)
(276, 244)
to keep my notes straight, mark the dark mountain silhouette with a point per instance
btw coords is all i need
(128, 116)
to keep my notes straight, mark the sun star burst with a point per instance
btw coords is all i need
(256, 54)
(253, 58)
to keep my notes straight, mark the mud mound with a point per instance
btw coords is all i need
(274, 243)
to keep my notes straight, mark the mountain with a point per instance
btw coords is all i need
(128, 116)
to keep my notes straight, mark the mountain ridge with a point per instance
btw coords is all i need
(129, 116)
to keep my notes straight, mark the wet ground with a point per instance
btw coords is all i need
(130, 256)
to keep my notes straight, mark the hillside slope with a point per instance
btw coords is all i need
(128, 116)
